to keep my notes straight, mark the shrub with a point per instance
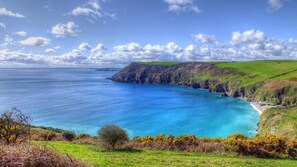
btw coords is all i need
(47, 136)
(112, 136)
(182, 143)
(69, 135)
(83, 136)
(292, 148)
(24, 155)
(13, 125)
(264, 146)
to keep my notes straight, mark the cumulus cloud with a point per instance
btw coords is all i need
(84, 46)
(21, 33)
(204, 38)
(275, 5)
(35, 41)
(250, 36)
(6, 12)
(64, 30)
(179, 6)
(242, 46)
(2, 25)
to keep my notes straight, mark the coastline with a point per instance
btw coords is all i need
(260, 108)
(256, 106)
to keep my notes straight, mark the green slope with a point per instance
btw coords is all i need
(279, 121)
(259, 71)
(90, 154)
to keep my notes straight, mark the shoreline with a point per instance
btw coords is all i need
(256, 106)
(260, 108)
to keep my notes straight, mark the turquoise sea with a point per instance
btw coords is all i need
(83, 100)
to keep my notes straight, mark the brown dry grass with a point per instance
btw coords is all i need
(25, 155)
(277, 85)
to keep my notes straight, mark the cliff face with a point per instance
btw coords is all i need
(179, 74)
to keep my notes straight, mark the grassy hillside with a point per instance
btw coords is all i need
(259, 71)
(92, 155)
(279, 121)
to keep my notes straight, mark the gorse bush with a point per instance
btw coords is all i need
(69, 135)
(112, 136)
(265, 146)
(181, 143)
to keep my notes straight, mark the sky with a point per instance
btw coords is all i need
(113, 33)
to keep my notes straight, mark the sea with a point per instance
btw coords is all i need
(83, 100)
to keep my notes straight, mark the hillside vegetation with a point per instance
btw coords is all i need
(277, 121)
(94, 156)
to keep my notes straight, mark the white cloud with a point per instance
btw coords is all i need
(84, 46)
(247, 45)
(7, 40)
(21, 33)
(93, 9)
(179, 6)
(250, 36)
(35, 41)
(275, 5)
(2, 25)
(5, 12)
(292, 41)
(204, 38)
(63, 30)
(73, 57)
(84, 11)
(49, 50)
(131, 47)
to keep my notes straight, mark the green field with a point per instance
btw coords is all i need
(258, 71)
(94, 156)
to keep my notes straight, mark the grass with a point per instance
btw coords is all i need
(160, 63)
(94, 156)
(257, 71)
(279, 121)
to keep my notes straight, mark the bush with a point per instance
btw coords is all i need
(13, 125)
(181, 143)
(69, 135)
(31, 156)
(112, 136)
(264, 146)
(47, 136)
(83, 136)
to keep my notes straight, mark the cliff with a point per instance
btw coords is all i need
(272, 83)
(226, 80)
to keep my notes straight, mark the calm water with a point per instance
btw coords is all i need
(83, 100)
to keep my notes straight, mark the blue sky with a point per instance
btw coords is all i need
(107, 33)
